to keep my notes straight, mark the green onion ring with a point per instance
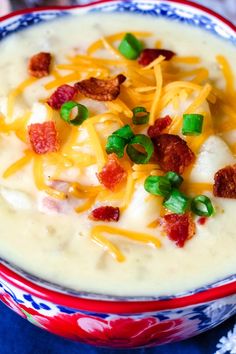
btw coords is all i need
(125, 133)
(174, 178)
(136, 156)
(178, 202)
(140, 119)
(67, 108)
(130, 47)
(116, 145)
(192, 124)
(158, 185)
(200, 202)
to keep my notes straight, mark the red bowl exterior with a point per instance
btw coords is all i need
(118, 322)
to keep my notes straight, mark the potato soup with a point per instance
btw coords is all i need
(117, 163)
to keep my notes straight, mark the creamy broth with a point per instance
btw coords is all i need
(56, 246)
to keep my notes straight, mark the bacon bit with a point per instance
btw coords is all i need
(101, 90)
(202, 220)
(150, 54)
(225, 182)
(112, 173)
(160, 124)
(105, 213)
(39, 65)
(172, 153)
(179, 228)
(43, 137)
(62, 95)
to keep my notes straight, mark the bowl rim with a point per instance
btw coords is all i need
(188, 3)
(106, 303)
(116, 304)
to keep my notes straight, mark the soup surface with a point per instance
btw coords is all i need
(46, 199)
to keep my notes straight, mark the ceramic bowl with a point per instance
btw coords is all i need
(119, 322)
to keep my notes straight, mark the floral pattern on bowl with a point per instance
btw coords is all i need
(115, 330)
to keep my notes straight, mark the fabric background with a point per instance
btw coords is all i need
(17, 336)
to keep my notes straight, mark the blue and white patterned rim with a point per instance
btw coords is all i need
(169, 10)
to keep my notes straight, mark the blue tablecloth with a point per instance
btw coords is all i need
(17, 336)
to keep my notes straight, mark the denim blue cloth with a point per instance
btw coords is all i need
(17, 336)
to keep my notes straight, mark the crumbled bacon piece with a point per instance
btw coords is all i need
(160, 124)
(112, 173)
(39, 64)
(202, 220)
(43, 137)
(105, 213)
(101, 90)
(62, 95)
(172, 153)
(179, 228)
(225, 182)
(150, 54)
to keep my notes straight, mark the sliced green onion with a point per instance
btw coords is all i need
(174, 179)
(158, 185)
(115, 144)
(201, 205)
(144, 142)
(177, 202)
(130, 47)
(66, 110)
(192, 124)
(138, 118)
(125, 133)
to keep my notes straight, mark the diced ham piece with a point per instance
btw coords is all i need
(225, 182)
(39, 65)
(172, 153)
(51, 205)
(112, 173)
(150, 54)
(62, 95)
(105, 213)
(43, 137)
(101, 90)
(159, 125)
(179, 228)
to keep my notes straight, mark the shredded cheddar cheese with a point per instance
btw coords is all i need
(85, 206)
(228, 75)
(19, 164)
(204, 93)
(154, 107)
(16, 92)
(109, 246)
(128, 192)
(40, 182)
(62, 80)
(154, 63)
(112, 38)
(198, 188)
(132, 235)
(96, 144)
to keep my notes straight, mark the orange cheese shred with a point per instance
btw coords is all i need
(19, 164)
(131, 235)
(108, 246)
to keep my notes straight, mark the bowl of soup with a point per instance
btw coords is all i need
(118, 170)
